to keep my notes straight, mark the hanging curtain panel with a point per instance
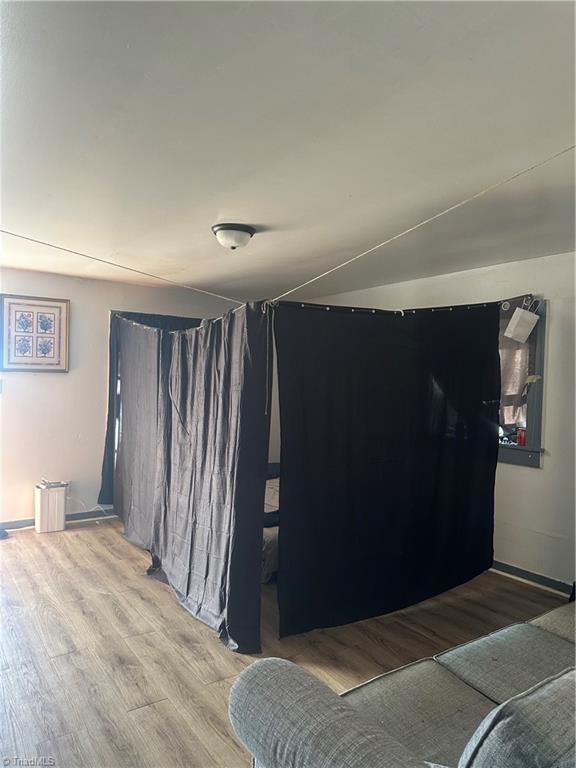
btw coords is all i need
(389, 429)
(135, 469)
(117, 320)
(212, 466)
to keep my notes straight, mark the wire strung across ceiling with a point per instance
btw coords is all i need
(122, 266)
(330, 271)
(467, 200)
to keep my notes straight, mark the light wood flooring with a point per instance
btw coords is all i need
(101, 668)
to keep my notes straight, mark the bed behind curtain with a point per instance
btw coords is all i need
(389, 429)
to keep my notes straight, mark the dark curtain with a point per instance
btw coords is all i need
(160, 322)
(212, 465)
(389, 427)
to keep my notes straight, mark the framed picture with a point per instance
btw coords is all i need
(34, 333)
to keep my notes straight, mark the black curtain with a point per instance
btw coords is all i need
(389, 427)
(212, 460)
(159, 322)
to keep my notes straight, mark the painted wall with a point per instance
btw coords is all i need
(53, 425)
(534, 526)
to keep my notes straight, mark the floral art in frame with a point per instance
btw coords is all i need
(34, 333)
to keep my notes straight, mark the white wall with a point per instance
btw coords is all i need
(53, 425)
(534, 507)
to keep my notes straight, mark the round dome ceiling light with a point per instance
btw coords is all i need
(233, 235)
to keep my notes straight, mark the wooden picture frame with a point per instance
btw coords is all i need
(34, 334)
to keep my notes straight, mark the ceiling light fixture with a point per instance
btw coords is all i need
(233, 235)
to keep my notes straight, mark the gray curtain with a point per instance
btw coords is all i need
(158, 322)
(212, 453)
(136, 387)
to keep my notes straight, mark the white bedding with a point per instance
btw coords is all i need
(272, 497)
(270, 535)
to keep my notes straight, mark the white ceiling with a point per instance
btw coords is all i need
(128, 129)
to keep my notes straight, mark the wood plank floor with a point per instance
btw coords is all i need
(100, 666)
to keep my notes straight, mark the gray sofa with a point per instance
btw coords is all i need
(505, 700)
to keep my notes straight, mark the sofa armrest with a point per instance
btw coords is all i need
(288, 719)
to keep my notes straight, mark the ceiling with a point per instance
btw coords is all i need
(128, 129)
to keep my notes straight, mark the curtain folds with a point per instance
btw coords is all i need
(138, 349)
(389, 429)
(389, 448)
(159, 322)
(212, 467)
(192, 458)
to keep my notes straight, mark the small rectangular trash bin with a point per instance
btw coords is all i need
(50, 506)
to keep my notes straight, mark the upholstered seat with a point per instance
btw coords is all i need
(560, 621)
(424, 707)
(433, 713)
(509, 661)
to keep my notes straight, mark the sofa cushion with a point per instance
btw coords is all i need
(424, 707)
(533, 728)
(560, 621)
(289, 719)
(509, 661)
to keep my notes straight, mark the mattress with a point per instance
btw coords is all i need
(270, 535)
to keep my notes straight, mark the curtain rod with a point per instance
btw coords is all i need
(370, 311)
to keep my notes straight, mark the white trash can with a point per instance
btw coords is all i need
(50, 506)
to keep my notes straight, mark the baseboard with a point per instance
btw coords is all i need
(91, 514)
(535, 578)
